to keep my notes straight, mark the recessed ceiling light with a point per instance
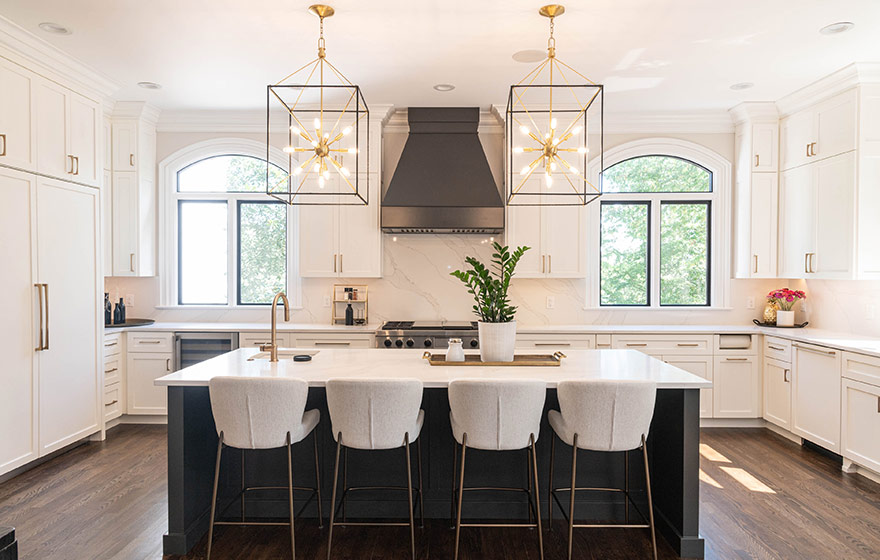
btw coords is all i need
(530, 55)
(835, 28)
(150, 85)
(741, 86)
(444, 87)
(55, 28)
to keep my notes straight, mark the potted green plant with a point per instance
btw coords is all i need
(489, 285)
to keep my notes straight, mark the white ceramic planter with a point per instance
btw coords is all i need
(497, 341)
(784, 318)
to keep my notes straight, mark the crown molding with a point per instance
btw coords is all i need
(28, 50)
(847, 77)
(136, 110)
(243, 121)
(755, 111)
(489, 122)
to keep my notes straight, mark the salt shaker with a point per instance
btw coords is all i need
(455, 353)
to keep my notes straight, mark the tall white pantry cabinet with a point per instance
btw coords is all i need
(50, 243)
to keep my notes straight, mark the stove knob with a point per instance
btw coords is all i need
(398, 343)
(428, 343)
(410, 343)
(387, 343)
(474, 343)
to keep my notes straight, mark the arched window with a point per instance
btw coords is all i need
(657, 234)
(231, 243)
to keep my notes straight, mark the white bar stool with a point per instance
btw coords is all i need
(610, 416)
(373, 414)
(262, 413)
(497, 416)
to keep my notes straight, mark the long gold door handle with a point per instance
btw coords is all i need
(340, 263)
(131, 160)
(39, 288)
(543, 264)
(334, 262)
(131, 262)
(549, 264)
(757, 160)
(756, 264)
(46, 297)
(70, 159)
(3, 137)
(810, 261)
(808, 150)
(76, 161)
(806, 258)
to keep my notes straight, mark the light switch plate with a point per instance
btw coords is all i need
(129, 300)
(551, 302)
(750, 302)
(326, 301)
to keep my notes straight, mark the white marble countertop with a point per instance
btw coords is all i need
(647, 329)
(369, 328)
(381, 363)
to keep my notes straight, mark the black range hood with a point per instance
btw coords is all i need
(443, 183)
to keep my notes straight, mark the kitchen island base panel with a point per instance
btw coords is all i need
(673, 448)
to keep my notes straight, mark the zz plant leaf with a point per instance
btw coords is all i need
(489, 284)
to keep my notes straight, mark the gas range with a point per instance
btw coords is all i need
(426, 334)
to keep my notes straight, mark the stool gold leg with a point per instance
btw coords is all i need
(650, 501)
(574, 455)
(333, 498)
(290, 496)
(460, 493)
(534, 462)
(214, 493)
(409, 495)
(318, 481)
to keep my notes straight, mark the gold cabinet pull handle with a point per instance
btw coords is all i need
(878, 405)
(757, 160)
(70, 160)
(46, 298)
(340, 263)
(808, 150)
(786, 375)
(131, 262)
(549, 264)
(167, 364)
(334, 262)
(806, 266)
(150, 341)
(114, 343)
(812, 270)
(688, 344)
(777, 348)
(736, 359)
(812, 148)
(39, 288)
(114, 401)
(543, 264)
(111, 370)
(756, 264)
(636, 344)
(3, 137)
(131, 160)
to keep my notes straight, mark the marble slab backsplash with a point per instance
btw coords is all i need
(417, 285)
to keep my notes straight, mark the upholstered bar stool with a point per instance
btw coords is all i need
(610, 416)
(496, 416)
(374, 414)
(262, 413)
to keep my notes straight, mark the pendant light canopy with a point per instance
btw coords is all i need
(554, 124)
(320, 122)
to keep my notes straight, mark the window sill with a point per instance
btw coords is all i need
(261, 306)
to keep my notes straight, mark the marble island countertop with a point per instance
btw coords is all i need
(369, 328)
(381, 363)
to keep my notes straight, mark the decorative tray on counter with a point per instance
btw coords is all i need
(775, 326)
(518, 360)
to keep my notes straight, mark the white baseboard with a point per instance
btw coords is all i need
(142, 419)
(732, 423)
(784, 433)
(851, 468)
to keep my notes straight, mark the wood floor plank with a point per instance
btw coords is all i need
(107, 501)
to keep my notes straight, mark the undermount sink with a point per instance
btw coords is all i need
(283, 354)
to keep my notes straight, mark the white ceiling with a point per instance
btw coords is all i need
(653, 55)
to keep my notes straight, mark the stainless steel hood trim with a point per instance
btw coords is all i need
(442, 219)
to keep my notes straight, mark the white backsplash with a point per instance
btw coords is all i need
(417, 285)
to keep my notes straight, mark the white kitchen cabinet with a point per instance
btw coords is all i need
(17, 138)
(331, 340)
(107, 220)
(556, 235)
(339, 241)
(757, 225)
(702, 367)
(665, 344)
(765, 143)
(257, 339)
(797, 221)
(125, 145)
(68, 267)
(815, 399)
(551, 342)
(19, 332)
(149, 355)
(107, 144)
(66, 128)
(736, 387)
(826, 129)
(777, 392)
(860, 423)
(113, 404)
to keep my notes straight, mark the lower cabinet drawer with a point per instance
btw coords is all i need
(333, 342)
(150, 342)
(257, 339)
(112, 370)
(860, 425)
(777, 348)
(688, 344)
(112, 401)
(556, 342)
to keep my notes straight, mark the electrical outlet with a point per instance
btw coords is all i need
(803, 307)
(750, 302)
(129, 300)
(551, 302)
(326, 301)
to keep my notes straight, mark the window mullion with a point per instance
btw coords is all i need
(654, 250)
(232, 252)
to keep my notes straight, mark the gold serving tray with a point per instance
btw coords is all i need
(518, 360)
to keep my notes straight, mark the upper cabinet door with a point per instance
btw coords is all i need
(524, 228)
(83, 138)
(563, 233)
(17, 140)
(795, 137)
(834, 186)
(764, 147)
(360, 237)
(319, 241)
(763, 225)
(50, 103)
(124, 203)
(835, 128)
(797, 221)
(125, 146)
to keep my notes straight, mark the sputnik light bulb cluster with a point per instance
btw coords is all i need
(324, 122)
(549, 124)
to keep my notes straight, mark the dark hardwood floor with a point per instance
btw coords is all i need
(762, 497)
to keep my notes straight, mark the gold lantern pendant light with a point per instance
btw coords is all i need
(318, 121)
(554, 114)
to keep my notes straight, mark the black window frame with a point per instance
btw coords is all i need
(238, 206)
(708, 205)
(709, 172)
(180, 204)
(648, 207)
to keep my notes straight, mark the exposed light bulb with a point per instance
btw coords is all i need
(352, 150)
(549, 179)
(326, 174)
(326, 135)
(316, 168)
(295, 129)
(298, 171)
(517, 150)
(525, 170)
(573, 170)
(555, 141)
(344, 171)
(314, 144)
(524, 129)
(576, 130)
(553, 123)
(289, 149)
(553, 166)
(583, 150)
(321, 182)
(546, 135)
(317, 124)
(346, 131)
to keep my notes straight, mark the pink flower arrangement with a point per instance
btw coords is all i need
(786, 298)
